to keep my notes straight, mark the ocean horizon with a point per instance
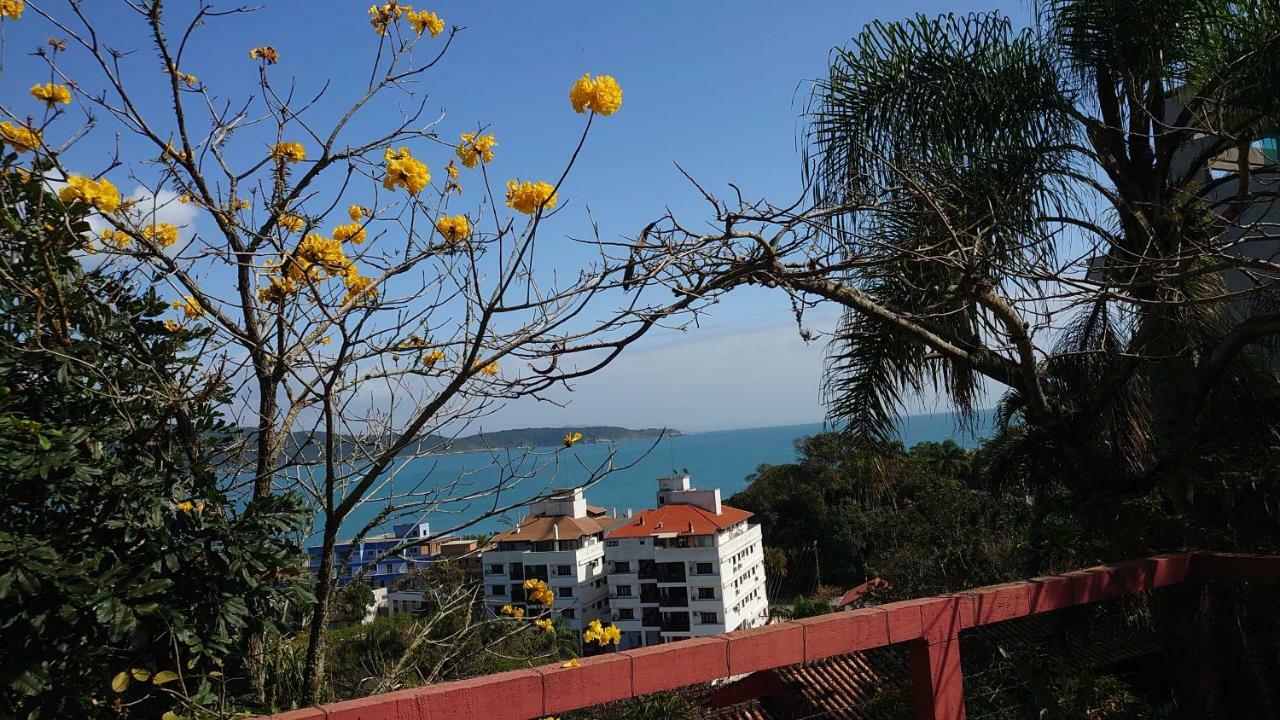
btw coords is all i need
(501, 478)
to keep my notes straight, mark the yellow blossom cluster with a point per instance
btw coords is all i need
(603, 636)
(20, 137)
(475, 147)
(164, 233)
(426, 20)
(546, 625)
(380, 16)
(12, 9)
(317, 257)
(265, 53)
(405, 171)
(452, 170)
(432, 357)
(454, 229)
(529, 197)
(240, 204)
(289, 152)
(100, 194)
(512, 611)
(187, 507)
(280, 288)
(358, 286)
(290, 221)
(188, 79)
(572, 438)
(116, 238)
(601, 95)
(489, 369)
(539, 592)
(355, 212)
(189, 307)
(350, 231)
(51, 94)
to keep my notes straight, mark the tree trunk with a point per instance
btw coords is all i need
(313, 670)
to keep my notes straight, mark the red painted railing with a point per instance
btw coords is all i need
(930, 627)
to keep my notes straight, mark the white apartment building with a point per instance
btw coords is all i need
(690, 567)
(560, 541)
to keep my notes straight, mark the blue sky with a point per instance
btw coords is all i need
(716, 87)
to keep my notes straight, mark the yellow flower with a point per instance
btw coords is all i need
(574, 663)
(318, 257)
(173, 152)
(571, 439)
(279, 288)
(490, 369)
(512, 611)
(289, 152)
(380, 16)
(265, 52)
(189, 79)
(529, 197)
(351, 231)
(546, 625)
(325, 340)
(355, 212)
(171, 325)
(117, 238)
(405, 170)
(51, 94)
(20, 137)
(603, 636)
(475, 148)
(358, 286)
(164, 233)
(189, 307)
(101, 194)
(290, 222)
(425, 20)
(185, 506)
(454, 229)
(602, 95)
(452, 170)
(11, 8)
(240, 204)
(431, 358)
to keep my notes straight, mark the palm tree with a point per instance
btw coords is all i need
(1070, 211)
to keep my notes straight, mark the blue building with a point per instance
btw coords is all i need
(349, 559)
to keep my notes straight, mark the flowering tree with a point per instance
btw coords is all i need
(362, 309)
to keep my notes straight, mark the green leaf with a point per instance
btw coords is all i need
(120, 682)
(164, 676)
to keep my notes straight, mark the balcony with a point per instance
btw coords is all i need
(923, 641)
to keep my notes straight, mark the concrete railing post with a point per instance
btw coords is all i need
(937, 681)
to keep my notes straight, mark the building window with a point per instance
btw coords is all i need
(704, 569)
(568, 613)
(564, 570)
(624, 591)
(566, 591)
(626, 614)
(622, 567)
(497, 590)
(706, 593)
(611, 543)
(708, 618)
(495, 569)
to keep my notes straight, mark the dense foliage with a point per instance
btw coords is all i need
(122, 560)
(921, 519)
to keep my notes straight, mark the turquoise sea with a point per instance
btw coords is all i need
(722, 458)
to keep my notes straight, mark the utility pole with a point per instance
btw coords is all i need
(817, 569)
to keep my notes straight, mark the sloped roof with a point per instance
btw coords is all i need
(679, 519)
(538, 528)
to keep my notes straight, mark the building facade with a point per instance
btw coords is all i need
(386, 564)
(691, 567)
(560, 541)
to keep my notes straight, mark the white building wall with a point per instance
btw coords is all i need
(587, 591)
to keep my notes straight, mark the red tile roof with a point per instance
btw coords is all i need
(678, 519)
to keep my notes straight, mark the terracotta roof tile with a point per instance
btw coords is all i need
(678, 519)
